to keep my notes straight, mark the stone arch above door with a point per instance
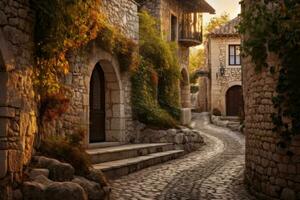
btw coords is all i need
(114, 94)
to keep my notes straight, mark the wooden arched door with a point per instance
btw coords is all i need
(234, 101)
(97, 106)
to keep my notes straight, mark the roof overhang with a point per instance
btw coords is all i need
(198, 6)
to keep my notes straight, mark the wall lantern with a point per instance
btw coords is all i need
(222, 70)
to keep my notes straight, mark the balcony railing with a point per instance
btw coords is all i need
(191, 29)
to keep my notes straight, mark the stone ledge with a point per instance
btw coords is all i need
(7, 112)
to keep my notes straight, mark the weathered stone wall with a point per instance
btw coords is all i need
(118, 111)
(123, 14)
(18, 124)
(270, 172)
(218, 55)
(163, 10)
(203, 95)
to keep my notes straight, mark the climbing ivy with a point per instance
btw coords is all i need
(274, 26)
(63, 26)
(155, 80)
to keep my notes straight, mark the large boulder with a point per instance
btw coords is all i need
(58, 171)
(64, 191)
(38, 172)
(33, 191)
(93, 189)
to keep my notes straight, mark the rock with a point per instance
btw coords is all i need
(33, 191)
(62, 172)
(178, 138)
(64, 191)
(17, 194)
(43, 180)
(37, 172)
(172, 131)
(288, 194)
(92, 188)
(58, 171)
(98, 177)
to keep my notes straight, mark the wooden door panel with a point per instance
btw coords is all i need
(234, 101)
(97, 106)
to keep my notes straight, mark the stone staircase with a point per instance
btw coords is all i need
(116, 161)
(230, 122)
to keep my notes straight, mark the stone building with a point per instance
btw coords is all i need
(93, 69)
(223, 90)
(101, 93)
(271, 172)
(181, 21)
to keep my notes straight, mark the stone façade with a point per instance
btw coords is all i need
(18, 106)
(217, 54)
(270, 172)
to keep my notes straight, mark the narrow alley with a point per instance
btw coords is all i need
(213, 172)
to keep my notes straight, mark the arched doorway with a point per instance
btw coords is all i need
(234, 101)
(97, 105)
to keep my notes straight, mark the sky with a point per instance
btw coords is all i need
(230, 6)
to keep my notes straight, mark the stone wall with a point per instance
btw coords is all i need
(163, 10)
(118, 119)
(218, 55)
(270, 172)
(18, 124)
(123, 14)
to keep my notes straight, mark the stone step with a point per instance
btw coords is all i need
(101, 155)
(103, 145)
(115, 169)
(230, 118)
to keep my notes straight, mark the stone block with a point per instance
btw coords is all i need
(118, 124)
(118, 110)
(3, 88)
(15, 161)
(4, 126)
(288, 194)
(3, 163)
(113, 136)
(7, 112)
(186, 116)
(115, 96)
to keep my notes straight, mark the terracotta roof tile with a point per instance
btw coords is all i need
(227, 29)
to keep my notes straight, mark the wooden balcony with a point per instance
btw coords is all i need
(191, 29)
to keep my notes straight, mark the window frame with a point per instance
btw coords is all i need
(234, 54)
(172, 15)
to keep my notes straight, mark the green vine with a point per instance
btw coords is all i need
(64, 26)
(155, 80)
(274, 26)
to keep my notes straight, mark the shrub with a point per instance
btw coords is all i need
(194, 89)
(53, 106)
(155, 79)
(146, 107)
(67, 149)
(216, 112)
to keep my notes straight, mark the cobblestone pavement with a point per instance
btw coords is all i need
(213, 172)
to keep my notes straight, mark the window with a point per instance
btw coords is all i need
(234, 55)
(174, 28)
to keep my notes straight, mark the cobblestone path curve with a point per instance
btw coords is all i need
(213, 172)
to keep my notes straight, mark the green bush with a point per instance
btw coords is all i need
(67, 149)
(155, 80)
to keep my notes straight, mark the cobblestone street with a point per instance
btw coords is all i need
(213, 172)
